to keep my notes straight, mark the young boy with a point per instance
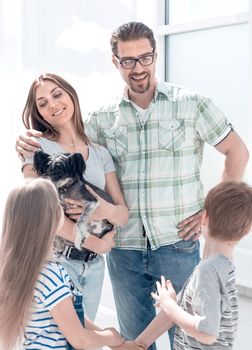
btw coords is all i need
(206, 310)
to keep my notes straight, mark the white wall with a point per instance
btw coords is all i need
(216, 61)
(70, 38)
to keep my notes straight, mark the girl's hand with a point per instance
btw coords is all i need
(165, 293)
(116, 338)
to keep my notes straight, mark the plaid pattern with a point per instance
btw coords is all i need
(158, 162)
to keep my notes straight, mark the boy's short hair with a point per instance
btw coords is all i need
(229, 210)
(131, 31)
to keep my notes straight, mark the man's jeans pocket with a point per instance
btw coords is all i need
(188, 246)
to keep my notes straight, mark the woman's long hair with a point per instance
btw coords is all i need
(30, 222)
(33, 119)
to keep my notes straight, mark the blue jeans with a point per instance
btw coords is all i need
(80, 312)
(87, 278)
(134, 274)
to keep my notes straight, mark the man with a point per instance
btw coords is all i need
(156, 133)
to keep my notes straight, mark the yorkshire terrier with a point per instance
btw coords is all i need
(66, 171)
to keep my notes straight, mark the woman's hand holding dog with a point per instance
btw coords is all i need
(74, 208)
(117, 214)
(100, 245)
(104, 208)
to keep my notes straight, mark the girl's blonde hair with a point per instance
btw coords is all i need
(30, 221)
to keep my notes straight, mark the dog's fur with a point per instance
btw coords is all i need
(66, 172)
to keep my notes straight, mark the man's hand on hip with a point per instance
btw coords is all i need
(190, 227)
(26, 144)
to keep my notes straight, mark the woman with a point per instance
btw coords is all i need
(37, 301)
(52, 107)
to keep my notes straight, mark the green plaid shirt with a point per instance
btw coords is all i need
(158, 162)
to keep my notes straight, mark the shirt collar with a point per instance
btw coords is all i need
(161, 88)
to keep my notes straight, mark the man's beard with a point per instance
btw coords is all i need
(138, 87)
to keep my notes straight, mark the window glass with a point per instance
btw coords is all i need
(194, 10)
(216, 63)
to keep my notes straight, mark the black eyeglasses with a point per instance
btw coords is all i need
(129, 63)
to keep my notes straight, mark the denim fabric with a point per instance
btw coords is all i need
(80, 312)
(134, 274)
(87, 278)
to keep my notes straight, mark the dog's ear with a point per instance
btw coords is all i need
(40, 163)
(77, 163)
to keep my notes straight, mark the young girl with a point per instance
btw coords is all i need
(36, 298)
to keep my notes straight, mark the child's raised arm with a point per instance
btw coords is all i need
(160, 324)
(129, 345)
(165, 300)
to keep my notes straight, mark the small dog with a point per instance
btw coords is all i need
(66, 171)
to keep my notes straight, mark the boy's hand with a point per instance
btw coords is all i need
(165, 293)
(129, 345)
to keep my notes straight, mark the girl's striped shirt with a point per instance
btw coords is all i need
(52, 287)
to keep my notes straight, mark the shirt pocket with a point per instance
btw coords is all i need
(117, 140)
(171, 134)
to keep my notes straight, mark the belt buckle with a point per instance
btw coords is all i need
(91, 256)
(67, 251)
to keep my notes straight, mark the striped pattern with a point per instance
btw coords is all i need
(158, 162)
(211, 296)
(52, 287)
